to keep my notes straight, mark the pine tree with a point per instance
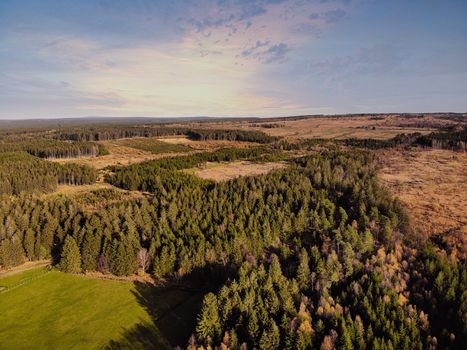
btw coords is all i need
(303, 271)
(209, 325)
(90, 251)
(270, 339)
(123, 258)
(344, 341)
(28, 244)
(70, 258)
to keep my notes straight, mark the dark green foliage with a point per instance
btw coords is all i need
(161, 176)
(440, 289)
(11, 252)
(451, 139)
(230, 135)
(154, 146)
(70, 260)
(43, 148)
(21, 172)
(99, 133)
(90, 250)
(209, 326)
(398, 140)
(122, 258)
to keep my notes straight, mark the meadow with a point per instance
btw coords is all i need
(63, 311)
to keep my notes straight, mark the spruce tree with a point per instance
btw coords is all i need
(208, 320)
(71, 258)
(303, 271)
(90, 251)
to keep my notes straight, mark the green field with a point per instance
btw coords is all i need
(154, 145)
(61, 311)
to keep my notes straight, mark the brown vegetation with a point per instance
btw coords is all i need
(227, 171)
(206, 145)
(433, 184)
(121, 154)
(339, 127)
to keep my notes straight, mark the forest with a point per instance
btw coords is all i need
(100, 133)
(55, 149)
(20, 172)
(315, 255)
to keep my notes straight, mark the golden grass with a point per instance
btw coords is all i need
(331, 127)
(121, 154)
(118, 155)
(226, 171)
(210, 145)
(433, 184)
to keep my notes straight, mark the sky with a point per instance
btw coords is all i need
(231, 58)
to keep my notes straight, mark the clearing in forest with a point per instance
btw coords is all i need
(227, 171)
(433, 184)
(153, 145)
(118, 155)
(206, 145)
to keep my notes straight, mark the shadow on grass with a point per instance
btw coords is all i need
(173, 310)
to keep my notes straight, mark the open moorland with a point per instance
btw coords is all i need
(338, 127)
(433, 185)
(288, 233)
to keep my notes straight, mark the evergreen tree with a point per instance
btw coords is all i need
(70, 258)
(90, 252)
(28, 244)
(209, 325)
(303, 271)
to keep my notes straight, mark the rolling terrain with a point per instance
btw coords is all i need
(266, 233)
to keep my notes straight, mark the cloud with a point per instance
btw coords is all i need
(374, 60)
(177, 58)
(313, 16)
(333, 16)
(266, 52)
(276, 53)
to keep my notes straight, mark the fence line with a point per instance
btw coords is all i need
(4, 289)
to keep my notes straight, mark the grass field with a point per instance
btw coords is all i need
(153, 145)
(61, 311)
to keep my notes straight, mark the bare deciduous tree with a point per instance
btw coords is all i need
(143, 259)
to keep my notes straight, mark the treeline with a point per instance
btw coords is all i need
(398, 140)
(21, 172)
(119, 132)
(230, 135)
(43, 148)
(103, 133)
(455, 140)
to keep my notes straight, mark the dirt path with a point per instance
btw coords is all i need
(24, 267)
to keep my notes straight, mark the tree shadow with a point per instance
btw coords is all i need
(173, 309)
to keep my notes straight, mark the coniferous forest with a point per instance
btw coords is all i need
(316, 255)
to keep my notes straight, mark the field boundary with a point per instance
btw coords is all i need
(4, 289)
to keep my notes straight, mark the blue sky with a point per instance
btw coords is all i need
(231, 58)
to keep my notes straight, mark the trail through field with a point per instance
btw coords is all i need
(24, 267)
